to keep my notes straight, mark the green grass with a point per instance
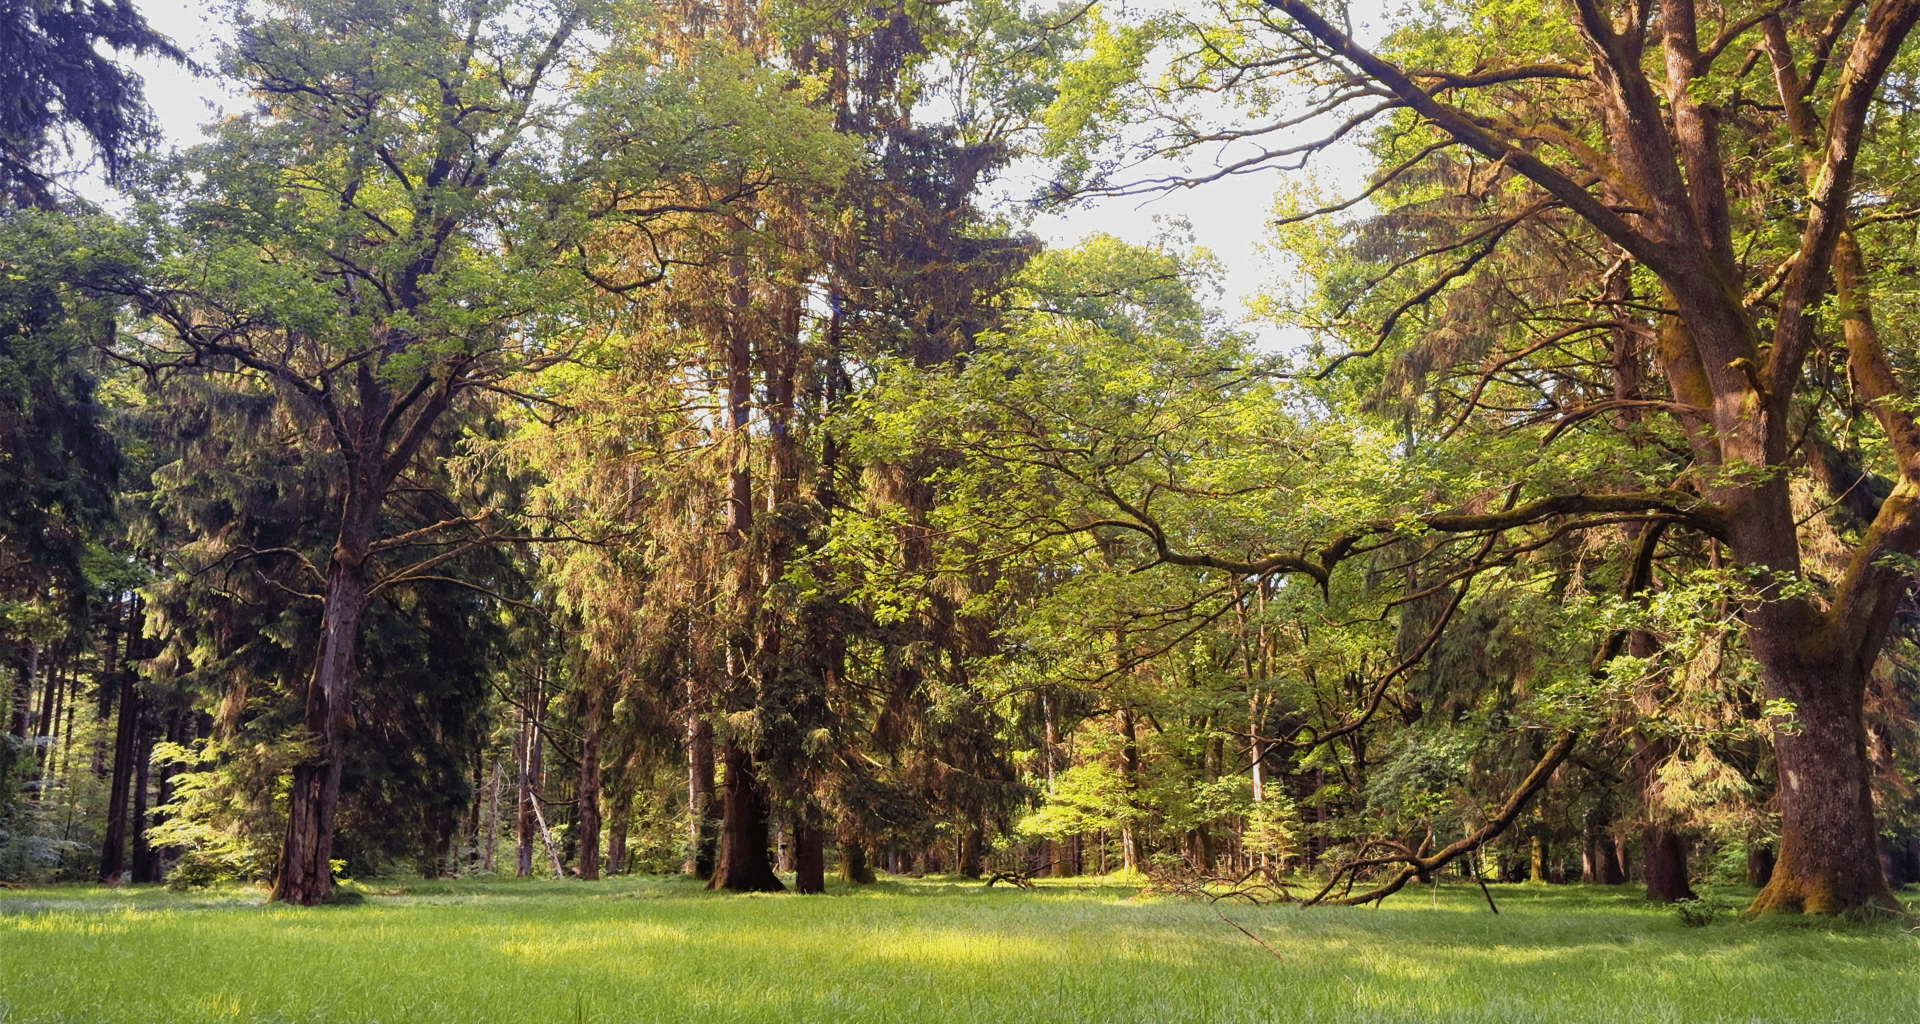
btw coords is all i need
(650, 949)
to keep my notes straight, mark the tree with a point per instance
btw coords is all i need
(1649, 138)
(361, 246)
(57, 81)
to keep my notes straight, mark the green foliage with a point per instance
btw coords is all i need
(1695, 913)
(227, 814)
(198, 870)
(1086, 798)
(60, 84)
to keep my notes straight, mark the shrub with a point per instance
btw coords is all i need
(1695, 913)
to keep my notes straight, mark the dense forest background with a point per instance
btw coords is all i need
(588, 437)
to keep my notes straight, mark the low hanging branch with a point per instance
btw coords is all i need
(1415, 866)
(1418, 867)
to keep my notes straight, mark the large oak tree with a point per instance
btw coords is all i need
(1713, 153)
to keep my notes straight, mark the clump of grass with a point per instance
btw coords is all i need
(1695, 913)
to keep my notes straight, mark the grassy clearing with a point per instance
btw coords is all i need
(652, 949)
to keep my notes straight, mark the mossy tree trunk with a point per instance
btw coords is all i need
(1829, 857)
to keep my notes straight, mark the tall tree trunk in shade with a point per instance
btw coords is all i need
(972, 861)
(745, 863)
(470, 829)
(701, 807)
(1663, 856)
(809, 860)
(25, 664)
(143, 861)
(854, 866)
(489, 836)
(113, 854)
(304, 875)
(525, 825)
(47, 724)
(617, 845)
(1759, 865)
(587, 791)
(1600, 860)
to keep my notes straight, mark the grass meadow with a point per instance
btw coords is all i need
(932, 950)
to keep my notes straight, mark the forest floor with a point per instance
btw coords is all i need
(934, 950)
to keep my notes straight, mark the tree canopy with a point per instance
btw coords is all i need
(623, 437)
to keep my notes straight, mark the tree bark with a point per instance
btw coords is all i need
(113, 854)
(587, 791)
(489, 836)
(143, 861)
(528, 750)
(1600, 862)
(972, 853)
(617, 845)
(305, 873)
(745, 864)
(26, 663)
(854, 868)
(178, 731)
(1664, 859)
(703, 836)
(1829, 857)
(1202, 846)
(809, 860)
(1902, 861)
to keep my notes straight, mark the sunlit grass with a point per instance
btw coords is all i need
(651, 949)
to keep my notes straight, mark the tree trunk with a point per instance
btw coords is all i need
(1663, 855)
(143, 866)
(305, 872)
(177, 732)
(809, 860)
(854, 868)
(1202, 844)
(113, 853)
(523, 821)
(489, 836)
(744, 864)
(587, 792)
(476, 815)
(1759, 865)
(617, 845)
(1600, 861)
(700, 803)
(25, 667)
(972, 854)
(1902, 862)
(1665, 865)
(1829, 843)
(47, 724)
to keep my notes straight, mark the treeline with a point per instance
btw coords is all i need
(599, 437)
